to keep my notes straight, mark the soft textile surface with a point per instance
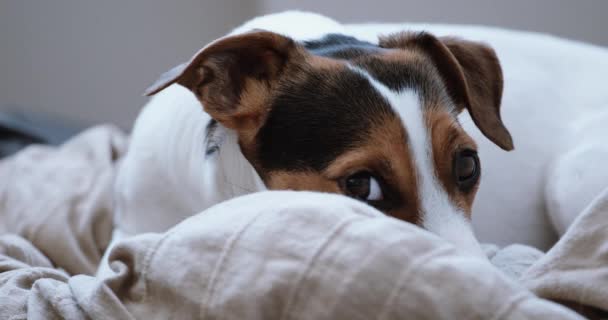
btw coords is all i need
(307, 256)
(576, 268)
(61, 199)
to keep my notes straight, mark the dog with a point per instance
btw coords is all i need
(267, 111)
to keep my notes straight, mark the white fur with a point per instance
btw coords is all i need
(166, 176)
(439, 214)
(579, 174)
(166, 169)
(298, 25)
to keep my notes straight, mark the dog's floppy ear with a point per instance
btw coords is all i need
(232, 76)
(471, 73)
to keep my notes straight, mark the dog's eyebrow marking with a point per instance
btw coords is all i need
(211, 141)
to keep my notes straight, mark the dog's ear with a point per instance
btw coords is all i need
(234, 75)
(471, 73)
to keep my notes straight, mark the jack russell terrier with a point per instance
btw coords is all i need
(373, 121)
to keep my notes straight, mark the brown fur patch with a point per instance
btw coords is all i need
(251, 112)
(386, 155)
(402, 56)
(471, 73)
(239, 99)
(300, 181)
(448, 137)
(324, 63)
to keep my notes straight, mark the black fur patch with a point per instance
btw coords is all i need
(339, 46)
(211, 140)
(313, 121)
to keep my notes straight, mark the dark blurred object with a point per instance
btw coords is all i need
(20, 130)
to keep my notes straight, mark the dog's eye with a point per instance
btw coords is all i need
(363, 186)
(466, 169)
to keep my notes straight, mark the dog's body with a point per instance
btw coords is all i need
(316, 111)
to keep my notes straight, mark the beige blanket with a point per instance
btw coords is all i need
(273, 255)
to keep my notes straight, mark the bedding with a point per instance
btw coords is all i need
(309, 256)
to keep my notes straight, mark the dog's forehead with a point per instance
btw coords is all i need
(328, 108)
(397, 69)
(318, 115)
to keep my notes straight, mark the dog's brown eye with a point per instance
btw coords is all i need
(363, 186)
(466, 169)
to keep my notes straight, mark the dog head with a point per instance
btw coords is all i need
(374, 122)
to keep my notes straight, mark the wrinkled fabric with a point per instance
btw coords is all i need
(60, 199)
(309, 256)
(306, 256)
(576, 268)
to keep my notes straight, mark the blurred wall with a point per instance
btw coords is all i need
(584, 20)
(89, 61)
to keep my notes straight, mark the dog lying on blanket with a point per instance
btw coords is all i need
(330, 113)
